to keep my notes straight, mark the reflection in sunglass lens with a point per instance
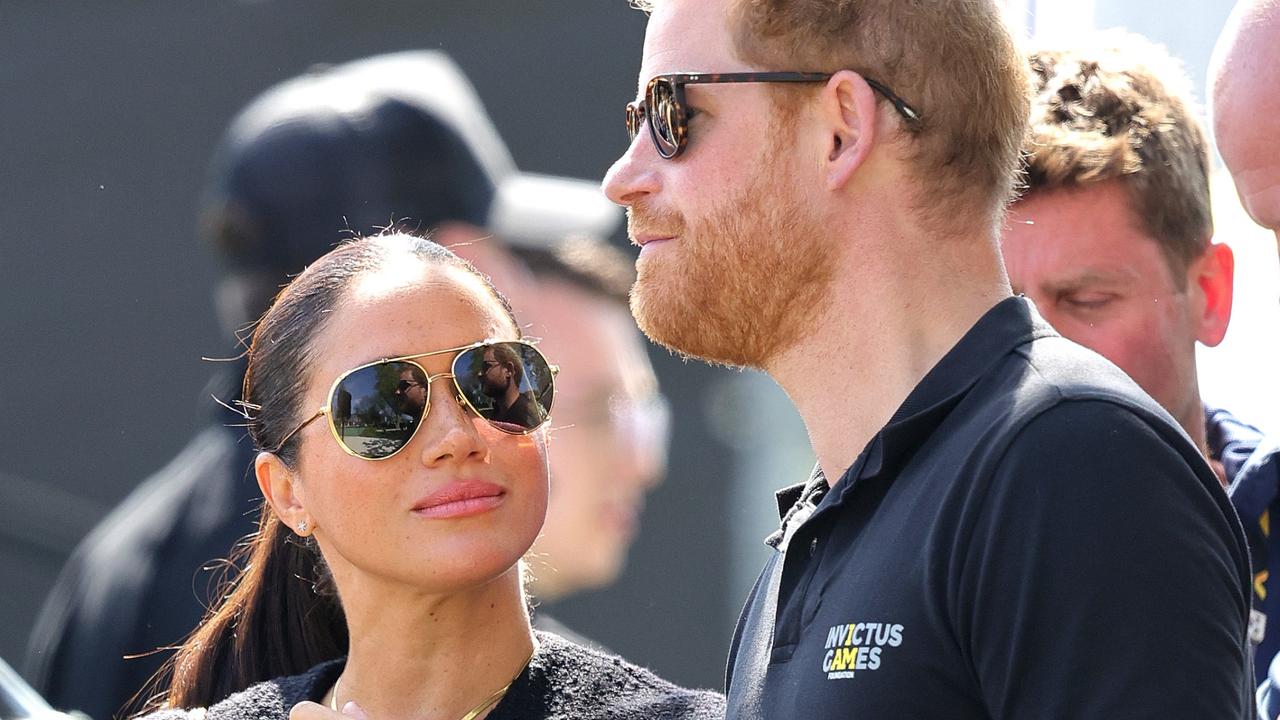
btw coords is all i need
(664, 116)
(508, 384)
(635, 116)
(376, 409)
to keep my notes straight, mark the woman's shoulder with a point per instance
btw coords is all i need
(572, 681)
(268, 700)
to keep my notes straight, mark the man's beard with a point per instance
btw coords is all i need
(740, 285)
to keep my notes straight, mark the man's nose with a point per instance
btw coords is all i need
(634, 175)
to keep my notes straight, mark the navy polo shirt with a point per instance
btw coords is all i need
(1030, 536)
(1252, 465)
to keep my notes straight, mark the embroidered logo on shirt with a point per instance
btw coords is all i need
(1257, 627)
(858, 647)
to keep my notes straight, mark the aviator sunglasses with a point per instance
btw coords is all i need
(374, 410)
(664, 106)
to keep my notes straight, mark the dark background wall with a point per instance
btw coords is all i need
(108, 114)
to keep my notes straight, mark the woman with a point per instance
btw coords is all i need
(393, 536)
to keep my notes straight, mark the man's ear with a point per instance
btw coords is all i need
(1212, 277)
(848, 114)
(282, 490)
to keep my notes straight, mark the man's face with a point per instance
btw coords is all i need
(733, 259)
(495, 376)
(1100, 280)
(411, 391)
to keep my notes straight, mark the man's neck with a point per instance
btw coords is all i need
(884, 326)
(1195, 422)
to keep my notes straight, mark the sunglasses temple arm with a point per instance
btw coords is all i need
(298, 429)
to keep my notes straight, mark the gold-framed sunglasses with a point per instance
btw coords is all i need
(664, 108)
(375, 409)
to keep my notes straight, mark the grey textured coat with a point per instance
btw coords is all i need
(564, 681)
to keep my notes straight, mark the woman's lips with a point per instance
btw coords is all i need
(460, 499)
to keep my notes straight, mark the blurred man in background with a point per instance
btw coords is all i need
(1113, 240)
(609, 429)
(393, 140)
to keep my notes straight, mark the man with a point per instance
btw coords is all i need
(1246, 107)
(398, 138)
(501, 376)
(1112, 239)
(1246, 124)
(609, 426)
(1001, 524)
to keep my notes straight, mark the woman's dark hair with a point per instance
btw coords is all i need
(279, 616)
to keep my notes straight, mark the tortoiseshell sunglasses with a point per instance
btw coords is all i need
(663, 106)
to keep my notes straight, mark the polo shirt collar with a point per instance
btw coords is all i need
(1009, 323)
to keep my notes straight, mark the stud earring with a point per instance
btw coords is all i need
(302, 527)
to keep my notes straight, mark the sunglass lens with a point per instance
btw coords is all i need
(507, 383)
(665, 117)
(375, 409)
(635, 116)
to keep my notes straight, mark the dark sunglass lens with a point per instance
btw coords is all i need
(376, 409)
(507, 383)
(665, 117)
(635, 116)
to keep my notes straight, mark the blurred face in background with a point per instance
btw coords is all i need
(608, 439)
(1082, 256)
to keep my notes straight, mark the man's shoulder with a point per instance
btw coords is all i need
(1060, 370)
(1054, 410)
(1052, 380)
(584, 683)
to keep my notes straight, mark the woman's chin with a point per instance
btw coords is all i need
(462, 567)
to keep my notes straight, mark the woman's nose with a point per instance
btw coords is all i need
(450, 434)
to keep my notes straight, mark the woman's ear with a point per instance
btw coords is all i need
(281, 488)
(848, 112)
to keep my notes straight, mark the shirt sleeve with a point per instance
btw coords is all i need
(1105, 576)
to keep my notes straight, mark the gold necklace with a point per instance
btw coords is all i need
(474, 712)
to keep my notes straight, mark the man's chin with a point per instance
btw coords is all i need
(668, 320)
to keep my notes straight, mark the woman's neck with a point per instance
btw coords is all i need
(416, 657)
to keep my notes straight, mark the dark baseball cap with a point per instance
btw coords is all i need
(398, 139)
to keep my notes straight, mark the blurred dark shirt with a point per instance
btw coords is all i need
(136, 582)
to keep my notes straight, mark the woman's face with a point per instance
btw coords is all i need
(390, 520)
